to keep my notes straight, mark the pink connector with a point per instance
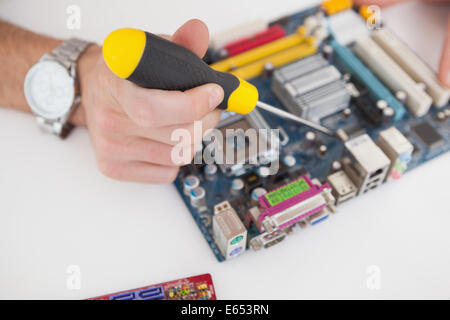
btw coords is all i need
(280, 204)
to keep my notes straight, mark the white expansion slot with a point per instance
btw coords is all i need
(412, 64)
(248, 29)
(417, 100)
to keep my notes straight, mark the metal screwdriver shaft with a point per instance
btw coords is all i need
(288, 115)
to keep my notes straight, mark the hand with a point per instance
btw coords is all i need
(444, 67)
(130, 127)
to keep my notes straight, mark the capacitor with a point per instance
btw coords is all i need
(310, 140)
(441, 116)
(258, 192)
(382, 104)
(347, 112)
(289, 160)
(336, 166)
(401, 96)
(198, 197)
(237, 185)
(263, 172)
(268, 69)
(210, 171)
(189, 183)
(327, 52)
(322, 149)
(388, 114)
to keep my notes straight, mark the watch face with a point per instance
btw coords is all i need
(49, 89)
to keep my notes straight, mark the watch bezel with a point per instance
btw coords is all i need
(29, 97)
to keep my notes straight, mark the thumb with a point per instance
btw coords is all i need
(193, 35)
(444, 68)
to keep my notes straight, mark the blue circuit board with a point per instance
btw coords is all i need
(316, 165)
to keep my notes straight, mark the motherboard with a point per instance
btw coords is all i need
(333, 65)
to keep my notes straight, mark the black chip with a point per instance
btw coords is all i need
(427, 134)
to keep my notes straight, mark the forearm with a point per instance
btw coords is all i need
(20, 49)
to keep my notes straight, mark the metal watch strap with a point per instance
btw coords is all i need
(67, 53)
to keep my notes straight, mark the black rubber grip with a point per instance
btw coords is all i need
(168, 66)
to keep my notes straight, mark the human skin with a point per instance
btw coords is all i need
(130, 127)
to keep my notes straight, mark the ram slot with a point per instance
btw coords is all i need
(279, 59)
(412, 64)
(248, 29)
(261, 52)
(359, 71)
(272, 33)
(392, 75)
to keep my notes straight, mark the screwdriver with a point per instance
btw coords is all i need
(156, 63)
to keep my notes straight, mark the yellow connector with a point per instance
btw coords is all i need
(278, 59)
(261, 51)
(334, 6)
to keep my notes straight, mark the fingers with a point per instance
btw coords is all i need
(150, 108)
(137, 171)
(193, 35)
(164, 134)
(444, 68)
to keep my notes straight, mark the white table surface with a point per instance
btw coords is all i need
(57, 210)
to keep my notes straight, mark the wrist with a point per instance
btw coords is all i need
(85, 64)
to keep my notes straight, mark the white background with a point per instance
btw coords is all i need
(57, 210)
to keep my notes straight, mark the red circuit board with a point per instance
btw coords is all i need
(193, 288)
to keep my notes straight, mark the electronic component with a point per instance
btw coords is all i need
(210, 171)
(299, 68)
(230, 233)
(392, 75)
(278, 59)
(247, 151)
(312, 80)
(198, 197)
(398, 149)
(248, 29)
(427, 134)
(258, 192)
(347, 27)
(412, 64)
(237, 185)
(368, 110)
(359, 71)
(344, 169)
(293, 202)
(189, 183)
(270, 34)
(261, 52)
(366, 164)
(343, 188)
(311, 88)
(193, 288)
(302, 200)
(334, 6)
(318, 216)
(324, 101)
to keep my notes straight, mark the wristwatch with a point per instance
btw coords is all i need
(51, 87)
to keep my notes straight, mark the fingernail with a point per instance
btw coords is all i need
(215, 97)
